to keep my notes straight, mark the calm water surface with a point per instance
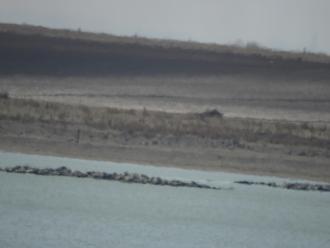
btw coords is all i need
(37, 211)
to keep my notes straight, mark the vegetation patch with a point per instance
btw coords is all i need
(4, 95)
(210, 124)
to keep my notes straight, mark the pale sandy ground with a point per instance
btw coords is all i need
(303, 100)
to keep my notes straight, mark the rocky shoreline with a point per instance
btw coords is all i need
(291, 186)
(127, 177)
(121, 177)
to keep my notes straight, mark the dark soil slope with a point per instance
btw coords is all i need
(38, 54)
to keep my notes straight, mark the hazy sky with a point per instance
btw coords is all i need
(284, 24)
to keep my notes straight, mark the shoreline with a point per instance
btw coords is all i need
(117, 155)
(138, 178)
(203, 141)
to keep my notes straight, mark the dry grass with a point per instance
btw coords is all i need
(152, 123)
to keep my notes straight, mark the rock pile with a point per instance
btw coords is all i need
(292, 186)
(122, 177)
(144, 179)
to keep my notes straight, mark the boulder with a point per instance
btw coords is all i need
(78, 174)
(115, 176)
(98, 175)
(63, 171)
(108, 176)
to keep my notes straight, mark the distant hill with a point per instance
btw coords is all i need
(38, 50)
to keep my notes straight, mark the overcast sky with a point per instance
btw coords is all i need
(281, 24)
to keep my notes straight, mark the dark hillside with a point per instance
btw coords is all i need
(36, 54)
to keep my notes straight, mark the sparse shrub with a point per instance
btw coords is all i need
(211, 113)
(4, 95)
(304, 125)
(106, 136)
(253, 45)
(62, 116)
(145, 112)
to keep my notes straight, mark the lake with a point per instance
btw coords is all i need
(41, 211)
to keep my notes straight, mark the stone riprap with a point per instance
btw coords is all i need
(144, 179)
(121, 177)
(292, 186)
